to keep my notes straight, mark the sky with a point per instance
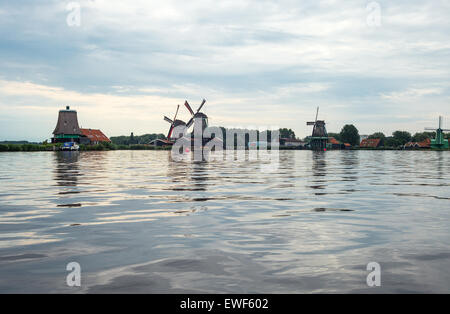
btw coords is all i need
(123, 65)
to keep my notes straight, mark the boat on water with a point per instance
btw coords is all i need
(70, 146)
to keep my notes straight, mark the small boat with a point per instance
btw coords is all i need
(71, 146)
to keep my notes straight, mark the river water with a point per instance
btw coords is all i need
(135, 221)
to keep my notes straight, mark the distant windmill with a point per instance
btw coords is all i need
(197, 117)
(173, 123)
(319, 138)
(439, 142)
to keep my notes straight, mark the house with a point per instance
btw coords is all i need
(424, 144)
(161, 142)
(93, 136)
(370, 143)
(334, 144)
(67, 130)
(363, 137)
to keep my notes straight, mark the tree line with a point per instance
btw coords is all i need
(348, 134)
(136, 139)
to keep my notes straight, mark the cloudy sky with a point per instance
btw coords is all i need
(381, 65)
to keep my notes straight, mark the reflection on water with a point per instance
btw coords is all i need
(66, 170)
(138, 222)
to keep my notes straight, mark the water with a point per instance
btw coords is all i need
(137, 222)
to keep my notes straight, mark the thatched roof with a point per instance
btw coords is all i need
(67, 122)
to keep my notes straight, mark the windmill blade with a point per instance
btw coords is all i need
(310, 123)
(430, 129)
(199, 108)
(175, 117)
(189, 107)
(170, 132)
(317, 113)
(445, 130)
(188, 125)
(440, 121)
(168, 120)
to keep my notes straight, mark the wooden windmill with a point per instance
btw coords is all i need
(439, 142)
(67, 128)
(197, 117)
(173, 124)
(319, 138)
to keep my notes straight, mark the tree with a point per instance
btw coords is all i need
(422, 136)
(390, 141)
(287, 133)
(379, 135)
(349, 134)
(402, 137)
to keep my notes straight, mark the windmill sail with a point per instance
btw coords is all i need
(197, 115)
(200, 108)
(173, 123)
(189, 107)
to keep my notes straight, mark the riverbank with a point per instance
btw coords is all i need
(110, 146)
(55, 147)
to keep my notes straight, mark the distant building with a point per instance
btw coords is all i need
(363, 137)
(67, 128)
(370, 143)
(334, 144)
(424, 144)
(92, 136)
(161, 142)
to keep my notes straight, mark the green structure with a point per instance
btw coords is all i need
(439, 142)
(67, 128)
(319, 138)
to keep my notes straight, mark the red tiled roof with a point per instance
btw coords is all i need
(95, 135)
(370, 142)
(332, 140)
(424, 144)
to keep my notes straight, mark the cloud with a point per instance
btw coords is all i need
(413, 93)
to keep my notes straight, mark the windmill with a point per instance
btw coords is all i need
(439, 142)
(319, 138)
(173, 124)
(197, 116)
